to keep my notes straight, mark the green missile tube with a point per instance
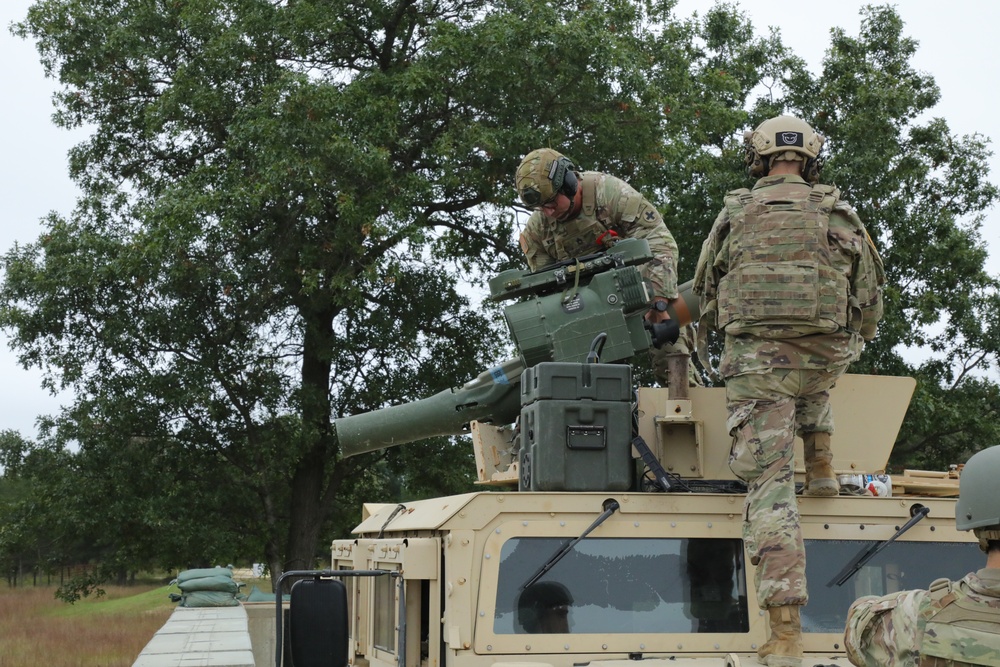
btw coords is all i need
(494, 396)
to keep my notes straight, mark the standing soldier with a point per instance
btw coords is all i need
(790, 275)
(952, 623)
(581, 213)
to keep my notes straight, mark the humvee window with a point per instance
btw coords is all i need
(900, 566)
(385, 613)
(627, 585)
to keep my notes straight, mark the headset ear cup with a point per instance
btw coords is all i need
(570, 181)
(757, 165)
(811, 169)
(754, 162)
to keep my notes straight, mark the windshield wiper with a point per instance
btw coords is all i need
(917, 512)
(610, 507)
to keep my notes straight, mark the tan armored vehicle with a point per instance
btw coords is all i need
(609, 524)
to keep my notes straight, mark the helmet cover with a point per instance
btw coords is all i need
(783, 138)
(543, 174)
(978, 503)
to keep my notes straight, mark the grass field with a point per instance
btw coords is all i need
(38, 629)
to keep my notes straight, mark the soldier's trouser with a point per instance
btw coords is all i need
(766, 410)
(685, 345)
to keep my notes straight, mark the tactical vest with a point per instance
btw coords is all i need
(781, 281)
(959, 630)
(579, 236)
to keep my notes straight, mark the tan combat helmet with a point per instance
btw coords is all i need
(783, 138)
(543, 174)
(978, 506)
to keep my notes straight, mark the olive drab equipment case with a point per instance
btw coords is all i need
(576, 426)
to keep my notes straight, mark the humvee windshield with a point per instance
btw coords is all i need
(642, 585)
(900, 566)
(629, 585)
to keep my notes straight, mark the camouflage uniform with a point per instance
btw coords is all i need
(611, 209)
(779, 370)
(918, 628)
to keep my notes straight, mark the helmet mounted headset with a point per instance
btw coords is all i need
(543, 175)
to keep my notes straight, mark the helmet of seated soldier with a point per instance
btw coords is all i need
(978, 506)
(538, 599)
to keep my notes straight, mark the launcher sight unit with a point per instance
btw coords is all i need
(565, 306)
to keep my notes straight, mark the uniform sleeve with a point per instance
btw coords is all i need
(868, 276)
(533, 244)
(635, 217)
(868, 289)
(712, 265)
(884, 631)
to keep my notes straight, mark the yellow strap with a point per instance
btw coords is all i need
(567, 297)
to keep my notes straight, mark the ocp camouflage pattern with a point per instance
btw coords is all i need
(904, 630)
(766, 411)
(780, 358)
(609, 203)
(790, 345)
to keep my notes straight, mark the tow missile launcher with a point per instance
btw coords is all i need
(558, 313)
(522, 576)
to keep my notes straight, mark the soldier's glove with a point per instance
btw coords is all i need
(663, 332)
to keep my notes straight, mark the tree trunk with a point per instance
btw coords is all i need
(306, 513)
(307, 510)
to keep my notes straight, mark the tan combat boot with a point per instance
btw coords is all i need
(784, 648)
(820, 478)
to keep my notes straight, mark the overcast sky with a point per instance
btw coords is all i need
(958, 46)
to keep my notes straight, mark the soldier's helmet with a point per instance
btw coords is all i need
(978, 506)
(543, 174)
(535, 600)
(783, 138)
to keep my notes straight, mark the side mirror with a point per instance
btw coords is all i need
(317, 623)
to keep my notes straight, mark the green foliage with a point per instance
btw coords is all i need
(287, 207)
(119, 601)
(81, 587)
